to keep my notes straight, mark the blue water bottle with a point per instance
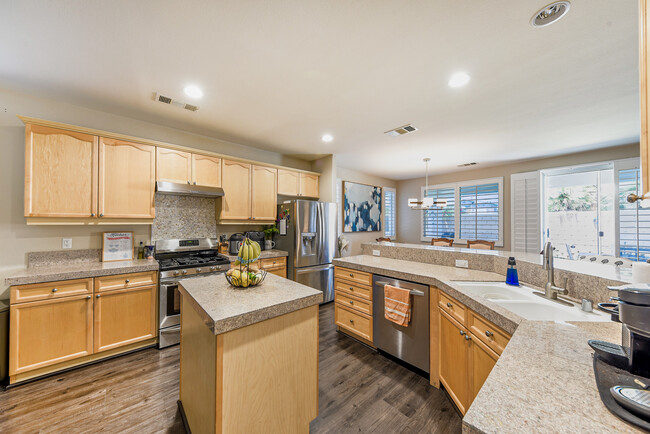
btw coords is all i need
(512, 278)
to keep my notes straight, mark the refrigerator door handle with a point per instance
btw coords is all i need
(314, 268)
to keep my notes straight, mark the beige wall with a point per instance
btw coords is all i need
(16, 238)
(356, 238)
(409, 221)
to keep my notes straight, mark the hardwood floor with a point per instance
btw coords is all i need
(360, 391)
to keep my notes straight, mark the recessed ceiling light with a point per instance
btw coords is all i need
(550, 14)
(193, 91)
(327, 138)
(459, 79)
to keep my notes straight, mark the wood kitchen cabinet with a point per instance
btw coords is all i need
(353, 303)
(61, 169)
(206, 170)
(481, 361)
(236, 184)
(126, 179)
(124, 316)
(309, 185)
(288, 182)
(264, 195)
(43, 333)
(173, 166)
(454, 361)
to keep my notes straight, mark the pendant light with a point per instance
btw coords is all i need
(427, 202)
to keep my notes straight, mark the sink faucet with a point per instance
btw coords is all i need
(550, 290)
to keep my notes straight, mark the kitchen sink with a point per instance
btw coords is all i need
(522, 301)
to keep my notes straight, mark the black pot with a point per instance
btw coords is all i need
(258, 237)
(234, 243)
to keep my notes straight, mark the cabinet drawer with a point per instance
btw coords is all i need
(282, 272)
(352, 289)
(354, 322)
(270, 263)
(50, 290)
(491, 335)
(455, 309)
(357, 304)
(353, 276)
(122, 281)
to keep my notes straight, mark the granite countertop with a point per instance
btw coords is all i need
(273, 253)
(529, 388)
(79, 270)
(224, 308)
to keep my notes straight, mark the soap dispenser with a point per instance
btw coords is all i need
(512, 278)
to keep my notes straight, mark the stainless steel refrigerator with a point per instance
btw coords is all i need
(310, 239)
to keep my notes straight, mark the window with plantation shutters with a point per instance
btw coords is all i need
(634, 221)
(389, 212)
(440, 223)
(525, 212)
(479, 212)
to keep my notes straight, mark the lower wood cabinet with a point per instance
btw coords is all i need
(58, 325)
(43, 333)
(353, 303)
(466, 352)
(124, 316)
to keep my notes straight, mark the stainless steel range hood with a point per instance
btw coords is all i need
(179, 189)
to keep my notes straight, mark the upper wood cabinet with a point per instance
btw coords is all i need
(236, 184)
(309, 185)
(44, 333)
(288, 182)
(173, 166)
(126, 179)
(60, 173)
(264, 196)
(206, 170)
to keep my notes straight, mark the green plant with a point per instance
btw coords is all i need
(269, 231)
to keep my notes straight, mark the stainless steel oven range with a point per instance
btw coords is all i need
(182, 259)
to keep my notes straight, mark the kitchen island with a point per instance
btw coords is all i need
(249, 357)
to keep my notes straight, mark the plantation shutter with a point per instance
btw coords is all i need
(389, 212)
(479, 212)
(525, 212)
(440, 223)
(634, 225)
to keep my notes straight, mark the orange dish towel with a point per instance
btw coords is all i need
(397, 305)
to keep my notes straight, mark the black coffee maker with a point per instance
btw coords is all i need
(622, 372)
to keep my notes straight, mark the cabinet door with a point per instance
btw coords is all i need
(482, 360)
(309, 185)
(126, 179)
(206, 170)
(124, 316)
(264, 196)
(288, 182)
(173, 166)
(236, 184)
(454, 361)
(60, 173)
(44, 333)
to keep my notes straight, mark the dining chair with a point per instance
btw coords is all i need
(480, 244)
(380, 239)
(442, 242)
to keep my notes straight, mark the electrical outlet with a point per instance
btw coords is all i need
(376, 253)
(67, 243)
(461, 263)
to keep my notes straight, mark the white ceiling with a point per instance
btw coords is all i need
(279, 74)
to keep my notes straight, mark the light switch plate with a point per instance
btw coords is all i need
(66, 243)
(461, 263)
(376, 253)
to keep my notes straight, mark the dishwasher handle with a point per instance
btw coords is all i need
(412, 291)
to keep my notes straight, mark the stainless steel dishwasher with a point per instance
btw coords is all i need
(410, 344)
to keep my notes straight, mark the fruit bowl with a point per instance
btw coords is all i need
(252, 278)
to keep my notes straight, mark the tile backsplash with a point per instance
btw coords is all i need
(184, 217)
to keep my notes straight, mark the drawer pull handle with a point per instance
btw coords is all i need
(449, 305)
(488, 333)
(53, 289)
(462, 333)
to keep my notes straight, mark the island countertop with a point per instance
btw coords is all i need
(224, 308)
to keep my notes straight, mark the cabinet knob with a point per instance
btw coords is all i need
(127, 281)
(101, 215)
(351, 275)
(188, 182)
(449, 305)
(352, 321)
(462, 333)
(194, 182)
(351, 289)
(468, 337)
(92, 214)
(488, 333)
(351, 302)
(88, 297)
(53, 289)
(98, 295)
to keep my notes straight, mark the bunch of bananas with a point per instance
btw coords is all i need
(246, 272)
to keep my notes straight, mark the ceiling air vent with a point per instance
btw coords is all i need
(473, 163)
(400, 131)
(174, 102)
